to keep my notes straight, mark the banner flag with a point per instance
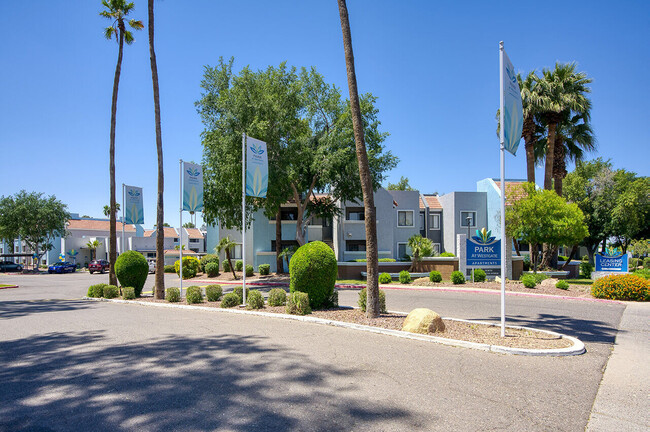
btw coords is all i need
(192, 187)
(133, 203)
(257, 168)
(513, 111)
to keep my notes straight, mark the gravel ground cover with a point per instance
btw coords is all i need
(514, 286)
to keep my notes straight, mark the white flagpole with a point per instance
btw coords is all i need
(180, 238)
(123, 206)
(243, 213)
(503, 193)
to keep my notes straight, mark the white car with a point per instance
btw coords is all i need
(152, 266)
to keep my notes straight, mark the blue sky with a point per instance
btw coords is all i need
(433, 66)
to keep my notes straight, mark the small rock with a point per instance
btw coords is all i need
(423, 321)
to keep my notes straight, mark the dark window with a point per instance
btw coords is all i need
(355, 245)
(468, 218)
(355, 213)
(194, 240)
(175, 239)
(285, 244)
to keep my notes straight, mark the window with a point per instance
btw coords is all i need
(405, 218)
(403, 251)
(421, 220)
(235, 252)
(194, 240)
(355, 214)
(175, 239)
(436, 249)
(434, 221)
(285, 244)
(468, 216)
(355, 245)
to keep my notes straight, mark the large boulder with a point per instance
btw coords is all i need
(423, 321)
(550, 282)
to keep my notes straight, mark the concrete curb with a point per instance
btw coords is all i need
(576, 349)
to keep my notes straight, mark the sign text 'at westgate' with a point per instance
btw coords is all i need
(483, 250)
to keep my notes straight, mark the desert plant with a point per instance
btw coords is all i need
(563, 285)
(128, 293)
(363, 295)
(255, 300)
(194, 294)
(96, 290)
(239, 292)
(539, 277)
(333, 300)
(298, 302)
(313, 270)
(264, 269)
(277, 297)
(226, 266)
(230, 300)
(404, 277)
(111, 291)
(213, 292)
(132, 269)
(207, 259)
(173, 295)
(479, 275)
(435, 276)
(239, 265)
(457, 278)
(249, 270)
(529, 281)
(191, 266)
(622, 287)
(385, 278)
(212, 269)
(586, 269)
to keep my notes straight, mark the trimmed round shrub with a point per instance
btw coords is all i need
(622, 287)
(457, 278)
(563, 285)
(298, 303)
(226, 266)
(207, 259)
(264, 269)
(447, 254)
(255, 300)
(363, 296)
(385, 278)
(313, 270)
(111, 291)
(128, 293)
(230, 300)
(479, 275)
(249, 270)
(132, 269)
(644, 273)
(239, 292)
(404, 277)
(277, 297)
(586, 269)
(194, 294)
(173, 295)
(191, 266)
(213, 292)
(239, 265)
(96, 290)
(212, 269)
(170, 269)
(529, 281)
(435, 276)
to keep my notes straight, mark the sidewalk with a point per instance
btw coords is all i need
(623, 399)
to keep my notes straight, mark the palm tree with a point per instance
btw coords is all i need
(160, 233)
(93, 245)
(286, 254)
(226, 245)
(116, 11)
(107, 209)
(372, 264)
(564, 91)
(420, 247)
(532, 102)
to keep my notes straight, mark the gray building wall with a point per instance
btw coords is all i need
(453, 204)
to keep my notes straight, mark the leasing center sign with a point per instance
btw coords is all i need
(483, 251)
(613, 260)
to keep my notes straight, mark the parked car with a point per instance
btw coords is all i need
(152, 266)
(9, 266)
(62, 267)
(98, 266)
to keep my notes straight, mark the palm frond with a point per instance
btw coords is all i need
(108, 32)
(136, 24)
(128, 37)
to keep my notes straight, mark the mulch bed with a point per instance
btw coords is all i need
(582, 291)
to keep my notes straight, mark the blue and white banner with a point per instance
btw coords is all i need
(134, 209)
(483, 250)
(613, 260)
(192, 187)
(257, 168)
(513, 114)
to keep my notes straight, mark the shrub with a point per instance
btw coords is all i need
(622, 287)
(239, 265)
(385, 278)
(404, 277)
(226, 266)
(457, 278)
(239, 292)
(212, 269)
(563, 285)
(230, 300)
(173, 295)
(191, 266)
(128, 293)
(539, 277)
(298, 302)
(111, 291)
(363, 296)
(194, 294)
(646, 263)
(526, 262)
(213, 292)
(562, 258)
(255, 300)
(264, 269)
(447, 254)
(479, 275)
(96, 290)
(644, 273)
(132, 269)
(249, 270)
(170, 269)
(313, 270)
(585, 258)
(586, 269)
(207, 259)
(277, 297)
(529, 281)
(435, 276)
(333, 301)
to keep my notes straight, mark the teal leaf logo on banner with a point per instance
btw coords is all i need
(134, 209)
(192, 187)
(257, 168)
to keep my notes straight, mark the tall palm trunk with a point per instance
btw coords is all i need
(112, 254)
(529, 140)
(559, 164)
(550, 155)
(160, 230)
(372, 310)
(278, 242)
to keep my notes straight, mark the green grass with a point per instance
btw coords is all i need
(580, 281)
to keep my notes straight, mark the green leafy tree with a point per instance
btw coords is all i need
(631, 214)
(544, 217)
(116, 11)
(189, 225)
(640, 248)
(93, 245)
(420, 247)
(401, 185)
(227, 245)
(35, 219)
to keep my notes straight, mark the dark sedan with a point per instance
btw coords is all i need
(62, 267)
(8, 266)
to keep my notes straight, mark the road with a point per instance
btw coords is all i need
(69, 364)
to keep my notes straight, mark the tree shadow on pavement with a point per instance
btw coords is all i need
(83, 381)
(19, 308)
